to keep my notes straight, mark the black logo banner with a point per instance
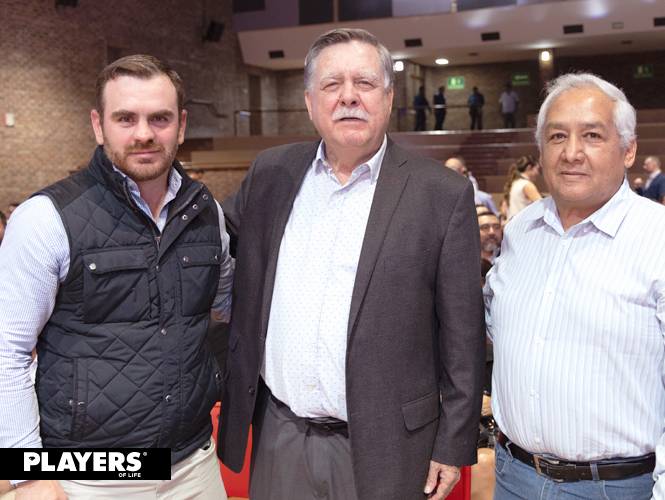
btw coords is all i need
(86, 463)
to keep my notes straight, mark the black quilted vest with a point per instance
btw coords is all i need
(123, 360)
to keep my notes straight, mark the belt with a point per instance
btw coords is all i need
(327, 424)
(562, 470)
(322, 423)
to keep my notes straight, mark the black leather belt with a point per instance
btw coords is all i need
(327, 424)
(562, 470)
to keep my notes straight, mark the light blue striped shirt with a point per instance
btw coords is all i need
(34, 261)
(576, 318)
(305, 360)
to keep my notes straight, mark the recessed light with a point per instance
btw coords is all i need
(545, 55)
(399, 66)
(442, 61)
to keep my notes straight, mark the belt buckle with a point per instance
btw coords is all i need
(546, 462)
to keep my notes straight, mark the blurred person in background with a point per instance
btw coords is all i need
(520, 190)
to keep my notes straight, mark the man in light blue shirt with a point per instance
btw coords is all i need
(112, 273)
(575, 308)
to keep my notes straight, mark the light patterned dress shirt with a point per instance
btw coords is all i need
(577, 321)
(305, 359)
(34, 261)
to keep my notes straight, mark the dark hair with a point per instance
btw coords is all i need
(347, 35)
(138, 66)
(515, 172)
(3, 219)
(198, 170)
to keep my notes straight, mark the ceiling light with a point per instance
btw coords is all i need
(545, 55)
(399, 66)
(442, 61)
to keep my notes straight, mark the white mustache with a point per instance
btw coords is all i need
(350, 113)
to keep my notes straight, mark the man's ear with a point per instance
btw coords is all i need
(629, 154)
(97, 126)
(308, 102)
(181, 127)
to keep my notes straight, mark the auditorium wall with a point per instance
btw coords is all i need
(51, 58)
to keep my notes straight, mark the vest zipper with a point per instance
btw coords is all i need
(151, 223)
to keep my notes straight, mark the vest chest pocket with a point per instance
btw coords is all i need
(115, 285)
(199, 277)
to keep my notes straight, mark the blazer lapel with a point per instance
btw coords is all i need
(390, 184)
(302, 162)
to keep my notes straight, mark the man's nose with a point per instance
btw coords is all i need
(143, 131)
(573, 149)
(349, 95)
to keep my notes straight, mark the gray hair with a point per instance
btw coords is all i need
(624, 115)
(654, 159)
(347, 35)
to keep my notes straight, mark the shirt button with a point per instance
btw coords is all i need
(538, 340)
(310, 388)
(564, 243)
(337, 193)
(586, 229)
(533, 393)
(168, 398)
(163, 330)
(537, 440)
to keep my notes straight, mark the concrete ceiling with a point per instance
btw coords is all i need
(524, 30)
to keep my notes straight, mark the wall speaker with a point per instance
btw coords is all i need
(65, 3)
(214, 33)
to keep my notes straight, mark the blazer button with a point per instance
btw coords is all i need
(185, 259)
(251, 390)
(168, 398)
(184, 217)
(80, 405)
(218, 376)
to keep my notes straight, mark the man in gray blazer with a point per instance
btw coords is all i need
(356, 343)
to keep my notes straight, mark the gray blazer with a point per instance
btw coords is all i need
(416, 342)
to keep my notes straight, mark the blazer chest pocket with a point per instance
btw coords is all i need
(422, 411)
(199, 277)
(115, 285)
(394, 263)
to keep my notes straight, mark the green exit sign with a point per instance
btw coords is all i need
(520, 79)
(455, 83)
(643, 71)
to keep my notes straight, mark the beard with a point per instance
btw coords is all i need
(145, 169)
(490, 246)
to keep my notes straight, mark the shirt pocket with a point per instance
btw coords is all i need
(199, 277)
(115, 285)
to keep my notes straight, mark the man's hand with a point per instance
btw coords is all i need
(486, 410)
(40, 490)
(447, 477)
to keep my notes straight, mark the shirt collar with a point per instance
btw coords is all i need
(174, 183)
(374, 163)
(607, 218)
